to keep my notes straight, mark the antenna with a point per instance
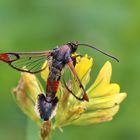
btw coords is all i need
(93, 47)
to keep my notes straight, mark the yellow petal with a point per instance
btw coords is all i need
(104, 74)
(97, 116)
(32, 85)
(102, 81)
(104, 102)
(104, 90)
(45, 73)
(83, 66)
(25, 101)
(68, 116)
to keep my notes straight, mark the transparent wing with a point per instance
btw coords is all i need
(77, 87)
(27, 62)
(31, 65)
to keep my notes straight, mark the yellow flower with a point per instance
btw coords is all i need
(83, 66)
(104, 97)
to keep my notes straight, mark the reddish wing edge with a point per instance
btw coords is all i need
(13, 57)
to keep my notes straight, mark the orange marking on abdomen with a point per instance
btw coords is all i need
(52, 85)
(4, 57)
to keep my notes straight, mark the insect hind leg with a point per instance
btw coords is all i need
(46, 110)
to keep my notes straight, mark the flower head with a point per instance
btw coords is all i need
(104, 97)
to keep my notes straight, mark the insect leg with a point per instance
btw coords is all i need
(80, 99)
(70, 64)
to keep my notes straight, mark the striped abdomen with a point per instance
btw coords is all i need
(52, 84)
(46, 105)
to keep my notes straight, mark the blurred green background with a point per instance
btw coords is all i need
(113, 25)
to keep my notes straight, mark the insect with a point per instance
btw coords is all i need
(58, 58)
